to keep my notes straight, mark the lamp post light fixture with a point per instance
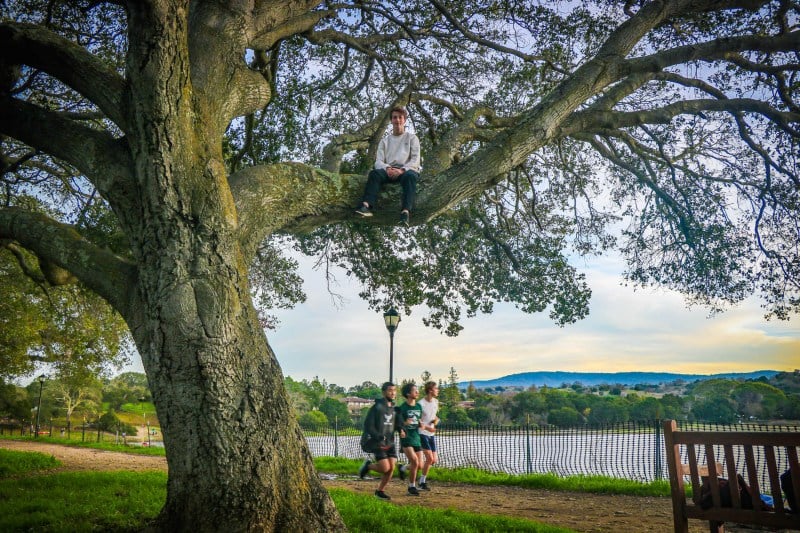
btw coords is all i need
(392, 320)
(144, 414)
(39, 404)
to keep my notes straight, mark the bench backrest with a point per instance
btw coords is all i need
(714, 454)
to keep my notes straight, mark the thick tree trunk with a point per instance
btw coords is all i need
(237, 458)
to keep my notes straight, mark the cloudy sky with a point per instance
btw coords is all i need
(645, 330)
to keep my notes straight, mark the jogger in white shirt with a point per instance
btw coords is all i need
(427, 428)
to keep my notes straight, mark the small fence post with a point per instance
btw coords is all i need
(659, 469)
(335, 435)
(528, 463)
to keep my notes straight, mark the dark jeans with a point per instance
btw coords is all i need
(378, 177)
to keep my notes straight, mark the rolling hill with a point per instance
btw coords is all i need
(557, 378)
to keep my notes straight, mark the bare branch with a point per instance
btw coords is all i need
(68, 62)
(722, 48)
(684, 223)
(293, 26)
(591, 120)
(490, 44)
(365, 45)
(103, 159)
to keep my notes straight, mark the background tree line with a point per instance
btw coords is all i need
(67, 402)
(318, 403)
(718, 400)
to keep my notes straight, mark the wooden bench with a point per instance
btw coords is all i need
(750, 444)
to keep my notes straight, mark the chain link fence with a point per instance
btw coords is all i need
(630, 450)
(83, 433)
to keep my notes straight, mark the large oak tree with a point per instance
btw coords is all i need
(665, 129)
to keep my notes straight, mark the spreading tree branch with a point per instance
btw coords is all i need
(104, 160)
(717, 49)
(60, 244)
(591, 120)
(68, 62)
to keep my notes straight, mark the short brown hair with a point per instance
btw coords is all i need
(429, 386)
(407, 389)
(399, 109)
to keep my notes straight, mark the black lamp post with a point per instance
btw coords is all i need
(144, 415)
(39, 405)
(392, 320)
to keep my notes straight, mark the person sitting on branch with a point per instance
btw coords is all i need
(397, 161)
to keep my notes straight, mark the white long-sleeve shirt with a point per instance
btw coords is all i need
(429, 409)
(399, 150)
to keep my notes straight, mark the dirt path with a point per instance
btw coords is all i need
(581, 512)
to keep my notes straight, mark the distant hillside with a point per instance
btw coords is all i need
(556, 379)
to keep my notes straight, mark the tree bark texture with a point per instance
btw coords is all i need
(237, 458)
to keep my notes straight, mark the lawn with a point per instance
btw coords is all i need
(126, 501)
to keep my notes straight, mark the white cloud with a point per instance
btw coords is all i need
(645, 330)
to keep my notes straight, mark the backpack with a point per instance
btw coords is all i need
(368, 444)
(745, 494)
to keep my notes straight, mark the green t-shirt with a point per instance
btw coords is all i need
(413, 412)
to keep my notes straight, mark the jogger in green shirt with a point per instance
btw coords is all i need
(409, 415)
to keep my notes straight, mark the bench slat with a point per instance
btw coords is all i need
(713, 475)
(733, 478)
(693, 470)
(756, 438)
(745, 516)
(752, 475)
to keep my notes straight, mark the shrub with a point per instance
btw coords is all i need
(110, 422)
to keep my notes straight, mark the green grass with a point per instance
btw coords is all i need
(13, 463)
(127, 501)
(593, 484)
(90, 443)
(82, 501)
(367, 514)
(474, 476)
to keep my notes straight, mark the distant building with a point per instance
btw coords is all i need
(356, 404)
(466, 404)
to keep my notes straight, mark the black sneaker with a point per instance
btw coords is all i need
(412, 491)
(364, 211)
(401, 471)
(404, 218)
(381, 495)
(424, 486)
(364, 468)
